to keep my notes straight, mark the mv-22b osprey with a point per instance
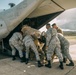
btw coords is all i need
(35, 12)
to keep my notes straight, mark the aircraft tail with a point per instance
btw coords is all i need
(11, 18)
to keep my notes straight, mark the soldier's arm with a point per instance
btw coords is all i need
(20, 39)
(48, 38)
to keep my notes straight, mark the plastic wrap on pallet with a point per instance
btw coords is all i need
(31, 31)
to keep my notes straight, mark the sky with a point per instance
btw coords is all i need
(4, 3)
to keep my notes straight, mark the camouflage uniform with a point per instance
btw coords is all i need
(29, 43)
(64, 46)
(15, 43)
(53, 44)
(59, 30)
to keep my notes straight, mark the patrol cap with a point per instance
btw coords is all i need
(53, 24)
(48, 24)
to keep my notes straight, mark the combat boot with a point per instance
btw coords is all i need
(64, 60)
(61, 65)
(39, 64)
(22, 59)
(27, 60)
(70, 64)
(13, 57)
(48, 65)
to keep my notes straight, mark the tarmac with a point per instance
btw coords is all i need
(9, 67)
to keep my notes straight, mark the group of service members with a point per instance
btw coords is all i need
(55, 43)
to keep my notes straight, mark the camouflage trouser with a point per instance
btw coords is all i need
(30, 44)
(65, 51)
(54, 48)
(14, 47)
